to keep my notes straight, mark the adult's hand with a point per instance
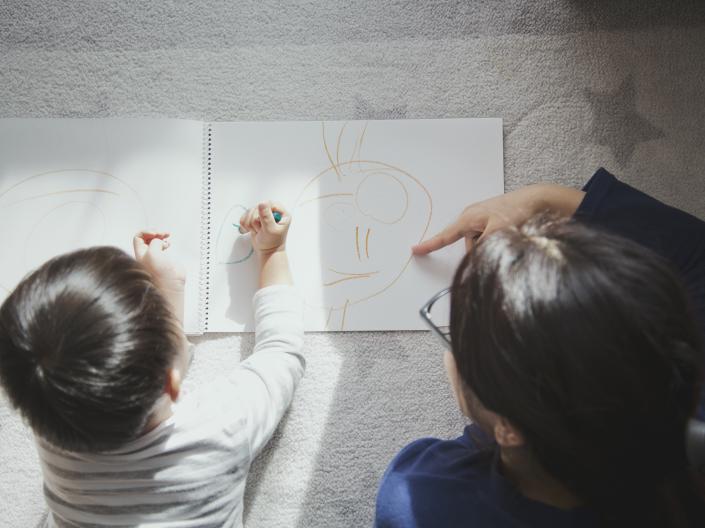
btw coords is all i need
(480, 219)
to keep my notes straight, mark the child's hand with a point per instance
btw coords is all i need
(151, 251)
(268, 236)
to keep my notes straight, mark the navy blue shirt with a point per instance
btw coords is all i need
(678, 237)
(457, 483)
(434, 483)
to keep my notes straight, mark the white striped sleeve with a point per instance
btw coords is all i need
(268, 378)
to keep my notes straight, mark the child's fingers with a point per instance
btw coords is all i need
(255, 224)
(266, 216)
(139, 246)
(148, 235)
(143, 240)
(285, 216)
(242, 223)
(246, 221)
(262, 217)
(156, 246)
(250, 221)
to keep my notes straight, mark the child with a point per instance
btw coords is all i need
(92, 354)
(579, 356)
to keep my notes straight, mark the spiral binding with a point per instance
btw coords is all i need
(206, 202)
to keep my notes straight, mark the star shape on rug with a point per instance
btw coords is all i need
(617, 124)
(365, 110)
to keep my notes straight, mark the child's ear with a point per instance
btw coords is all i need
(173, 383)
(506, 435)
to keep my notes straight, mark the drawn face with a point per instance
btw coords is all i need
(365, 215)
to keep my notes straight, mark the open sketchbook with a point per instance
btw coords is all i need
(361, 193)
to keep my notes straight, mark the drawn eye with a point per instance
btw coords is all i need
(383, 197)
(340, 215)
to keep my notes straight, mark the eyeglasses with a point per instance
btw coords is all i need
(427, 314)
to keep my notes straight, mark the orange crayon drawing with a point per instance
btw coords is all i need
(345, 203)
(62, 210)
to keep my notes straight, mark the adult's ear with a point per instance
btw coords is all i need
(506, 435)
(173, 383)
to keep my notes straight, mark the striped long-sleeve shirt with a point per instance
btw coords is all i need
(190, 470)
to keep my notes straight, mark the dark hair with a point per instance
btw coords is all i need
(587, 344)
(86, 341)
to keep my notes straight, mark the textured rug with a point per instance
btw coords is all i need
(580, 84)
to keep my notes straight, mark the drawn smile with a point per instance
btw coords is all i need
(349, 276)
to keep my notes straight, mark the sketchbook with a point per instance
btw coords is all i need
(361, 194)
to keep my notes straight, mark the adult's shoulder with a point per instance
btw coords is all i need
(456, 483)
(433, 481)
(431, 456)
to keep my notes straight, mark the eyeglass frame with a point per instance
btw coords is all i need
(425, 313)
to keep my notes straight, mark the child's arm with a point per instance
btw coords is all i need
(269, 241)
(268, 378)
(150, 248)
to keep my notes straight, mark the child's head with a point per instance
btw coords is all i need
(86, 346)
(579, 347)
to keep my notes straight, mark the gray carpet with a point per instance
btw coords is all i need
(580, 84)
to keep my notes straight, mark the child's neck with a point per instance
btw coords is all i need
(162, 411)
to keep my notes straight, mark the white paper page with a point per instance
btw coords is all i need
(361, 194)
(72, 183)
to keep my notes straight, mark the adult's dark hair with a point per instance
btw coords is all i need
(587, 344)
(85, 345)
